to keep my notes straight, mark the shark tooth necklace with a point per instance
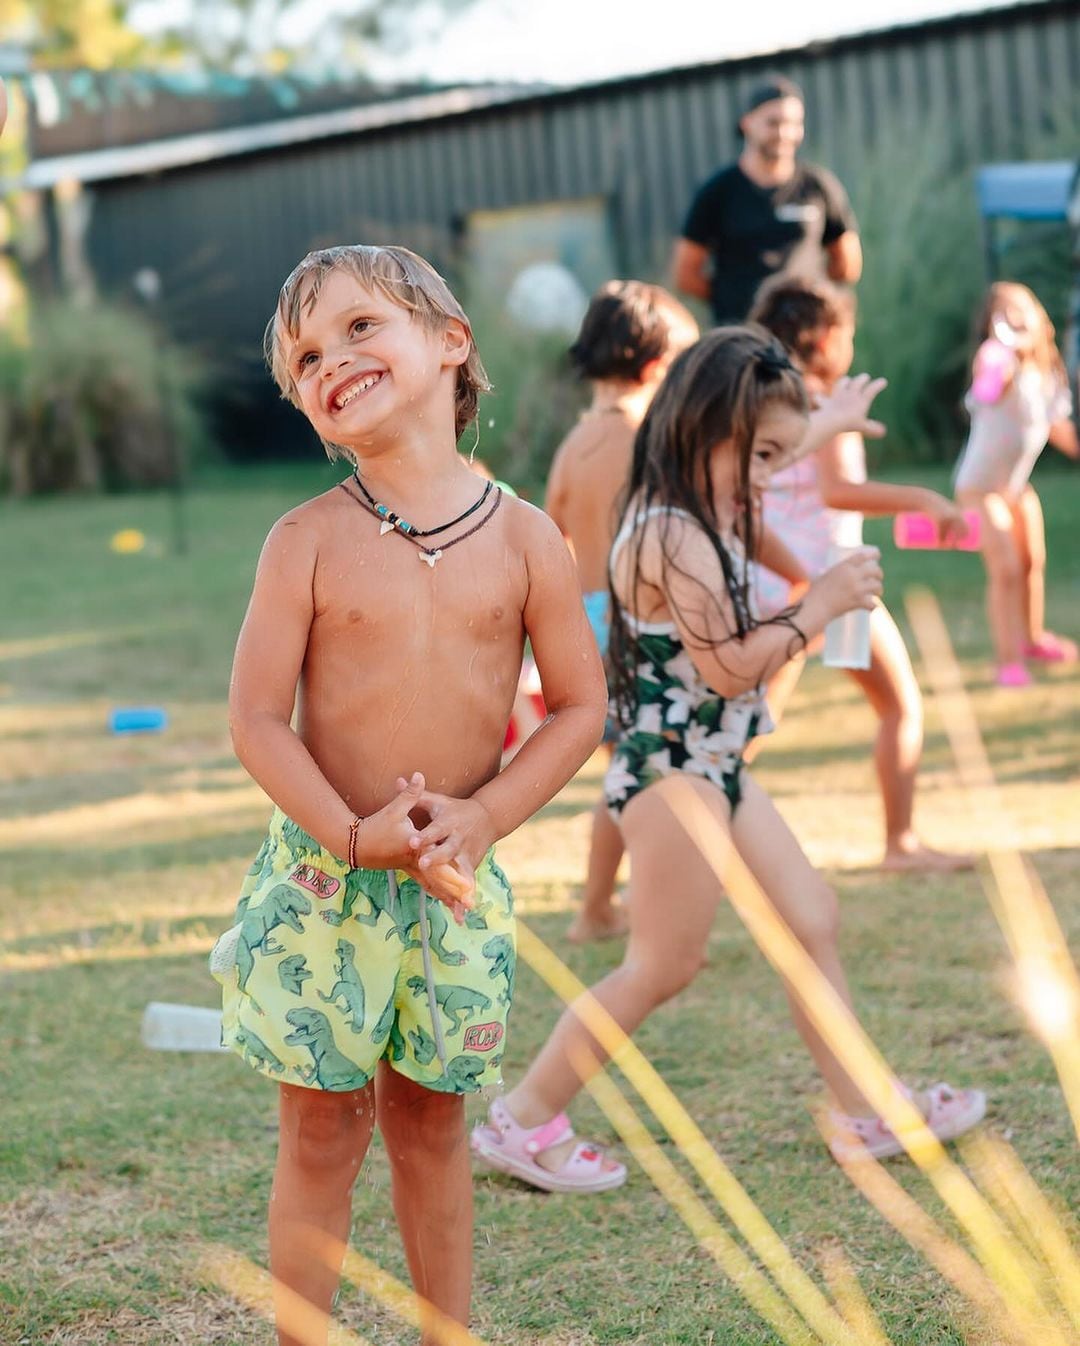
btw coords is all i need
(390, 522)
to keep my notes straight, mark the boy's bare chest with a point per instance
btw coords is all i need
(375, 588)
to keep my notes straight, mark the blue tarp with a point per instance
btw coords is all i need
(1025, 191)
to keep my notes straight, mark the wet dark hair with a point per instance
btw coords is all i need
(715, 391)
(797, 308)
(627, 325)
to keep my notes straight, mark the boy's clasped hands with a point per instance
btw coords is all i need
(442, 855)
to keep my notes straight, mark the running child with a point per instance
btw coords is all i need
(630, 334)
(690, 661)
(809, 505)
(397, 604)
(1018, 400)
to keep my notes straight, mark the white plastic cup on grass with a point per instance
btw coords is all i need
(181, 1028)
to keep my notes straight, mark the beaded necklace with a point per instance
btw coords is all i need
(391, 522)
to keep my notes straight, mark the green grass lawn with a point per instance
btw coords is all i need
(121, 858)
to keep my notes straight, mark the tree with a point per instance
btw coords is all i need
(246, 37)
(93, 34)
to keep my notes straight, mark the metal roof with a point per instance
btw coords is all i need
(179, 151)
(155, 156)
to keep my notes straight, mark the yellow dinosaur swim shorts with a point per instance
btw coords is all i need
(323, 972)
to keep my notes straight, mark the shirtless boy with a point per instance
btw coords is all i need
(630, 334)
(397, 606)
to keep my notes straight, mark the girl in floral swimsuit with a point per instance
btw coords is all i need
(690, 661)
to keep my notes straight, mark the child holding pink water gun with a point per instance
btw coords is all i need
(1019, 399)
(818, 502)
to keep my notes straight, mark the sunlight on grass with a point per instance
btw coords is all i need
(121, 861)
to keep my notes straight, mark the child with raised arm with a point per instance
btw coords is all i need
(371, 967)
(690, 661)
(1018, 401)
(630, 334)
(805, 506)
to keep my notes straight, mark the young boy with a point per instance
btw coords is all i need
(398, 604)
(631, 332)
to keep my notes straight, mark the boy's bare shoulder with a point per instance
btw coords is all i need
(311, 517)
(535, 534)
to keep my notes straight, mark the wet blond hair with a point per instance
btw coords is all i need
(399, 275)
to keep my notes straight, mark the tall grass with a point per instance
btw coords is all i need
(91, 397)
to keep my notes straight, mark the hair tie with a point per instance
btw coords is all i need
(773, 361)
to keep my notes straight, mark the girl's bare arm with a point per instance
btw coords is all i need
(696, 596)
(775, 555)
(843, 486)
(1064, 438)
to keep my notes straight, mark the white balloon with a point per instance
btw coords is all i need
(546, 297)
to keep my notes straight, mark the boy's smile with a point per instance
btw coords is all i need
(358, 357)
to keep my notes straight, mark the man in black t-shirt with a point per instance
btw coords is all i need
(765, 213)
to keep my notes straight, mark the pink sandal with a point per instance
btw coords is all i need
(502, 1144)
(1051, 648)
(1013, 675)
(951, 1112)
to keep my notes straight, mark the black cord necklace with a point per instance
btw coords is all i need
(427, 554)
(391, 520)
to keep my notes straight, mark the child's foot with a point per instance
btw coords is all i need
(1013, 675)
(568, 1166)
(948, 1112)
(609, 923)
(912, 856)
(1051, 648)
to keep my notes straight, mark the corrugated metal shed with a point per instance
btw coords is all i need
(224, 221)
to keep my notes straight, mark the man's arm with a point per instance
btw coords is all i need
(690, 269)
(844, 258)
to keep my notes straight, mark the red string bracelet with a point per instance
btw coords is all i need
(354, 827)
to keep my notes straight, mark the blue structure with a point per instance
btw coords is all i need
(1026, 191)
(1048, 191)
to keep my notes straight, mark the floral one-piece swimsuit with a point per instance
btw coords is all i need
(680, 724)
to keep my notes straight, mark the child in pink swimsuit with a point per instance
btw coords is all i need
(1019, 399)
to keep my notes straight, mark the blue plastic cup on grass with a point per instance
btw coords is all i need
(137, 720)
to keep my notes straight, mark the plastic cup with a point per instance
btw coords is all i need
(916, 531)
(847, 637)
(181, 1028)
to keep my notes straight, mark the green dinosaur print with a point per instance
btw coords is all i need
(256, 1052)
(348, 986)
(500, 952)
(372, 884)
(384, 1022)
(423, 1045)
(463, 1072)
(293, 972)
(296, 839)
(438, 925)
(458, 1003)
(283, 905)
(331, 1068)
